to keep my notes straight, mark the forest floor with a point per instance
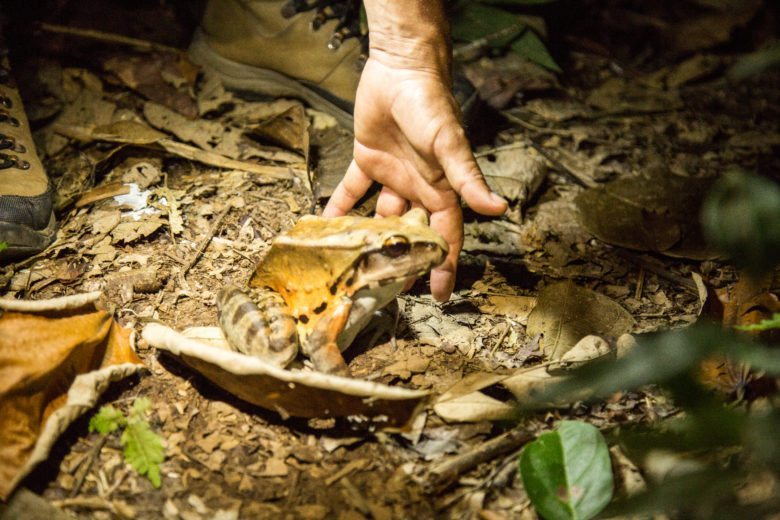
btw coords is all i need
(159, 231)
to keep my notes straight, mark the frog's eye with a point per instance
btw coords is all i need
(396, 246)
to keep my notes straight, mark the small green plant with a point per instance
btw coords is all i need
(143, 449)
(3, 246)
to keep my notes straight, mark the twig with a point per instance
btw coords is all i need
(500, 339)
(107, 37)
(640, 284)
(207, 239)
(83, 470)
(445, 473)
(686, 283)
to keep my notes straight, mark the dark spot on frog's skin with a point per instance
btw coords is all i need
(303, 319)
(350, 281)
(321, 308)
(295, 319)
(333, 289)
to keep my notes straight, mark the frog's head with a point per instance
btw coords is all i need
(365, 253)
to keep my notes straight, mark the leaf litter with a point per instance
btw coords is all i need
(221, 179)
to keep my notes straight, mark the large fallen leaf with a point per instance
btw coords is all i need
(567, 473)
(565, 313)
(654, 212)
(56, 358)
(290, 392)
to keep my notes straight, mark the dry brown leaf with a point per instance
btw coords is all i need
(152, 75)
(565, 313)
(655, 212)
(290, 392)
(133, 132)
(514, 171)
(56, 357)
(511, 306)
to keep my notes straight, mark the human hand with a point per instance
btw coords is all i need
(409, 139)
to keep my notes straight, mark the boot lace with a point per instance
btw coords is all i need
(7, 142)
(347, 12)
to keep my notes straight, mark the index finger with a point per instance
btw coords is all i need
(352, 187)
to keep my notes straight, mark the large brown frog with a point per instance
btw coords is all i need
(321, 282)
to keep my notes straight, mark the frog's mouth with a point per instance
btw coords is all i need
(377, 268)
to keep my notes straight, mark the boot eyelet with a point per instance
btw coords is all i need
(19, 148)
(5, 118)
(6, 102)
(22, 164)
(335, 42)
(6, 161)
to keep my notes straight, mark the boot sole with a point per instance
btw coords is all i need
(238, 76)
(22, 241)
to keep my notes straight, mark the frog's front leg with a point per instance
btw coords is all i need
(258, 325)
(321, 345)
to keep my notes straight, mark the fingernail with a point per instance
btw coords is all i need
(497, 199)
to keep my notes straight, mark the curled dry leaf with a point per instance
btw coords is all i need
(565, 313)
(515, 171)
(290, 392)
(465, 401)
(56, 358)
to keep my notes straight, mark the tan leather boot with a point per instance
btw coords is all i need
(27, 223)
(307, 49)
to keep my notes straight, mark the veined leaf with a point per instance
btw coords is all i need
(531, 47)
(567, 473)
(473, 21)
(144, 450)
(107, 420)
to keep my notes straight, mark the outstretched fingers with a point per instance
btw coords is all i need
(352, 187)
(453, 152)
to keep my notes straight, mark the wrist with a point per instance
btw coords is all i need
(411, 34)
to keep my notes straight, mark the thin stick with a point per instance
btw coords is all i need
(687, 283)
(640, 284)
(445, 473)
(92, 34)
(207, 239)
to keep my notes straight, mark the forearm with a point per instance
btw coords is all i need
(409, 34)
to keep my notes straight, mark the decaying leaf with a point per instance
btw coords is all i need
(290, 392)
(512, 306)
(56, 358)
(290, 129)
(618, 95)
(565, 313)
(133, 132)
(161, 77)
(648, 213)
(465, 401)
(515, 171)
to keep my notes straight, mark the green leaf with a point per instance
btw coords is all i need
(140, 407)
(3, 246)
(531, 47)
(741, 218)
(568, 473)
(107, 420)
(144, 450)
(473, 21)
(768, 324)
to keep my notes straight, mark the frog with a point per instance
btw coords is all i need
(322, 281)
